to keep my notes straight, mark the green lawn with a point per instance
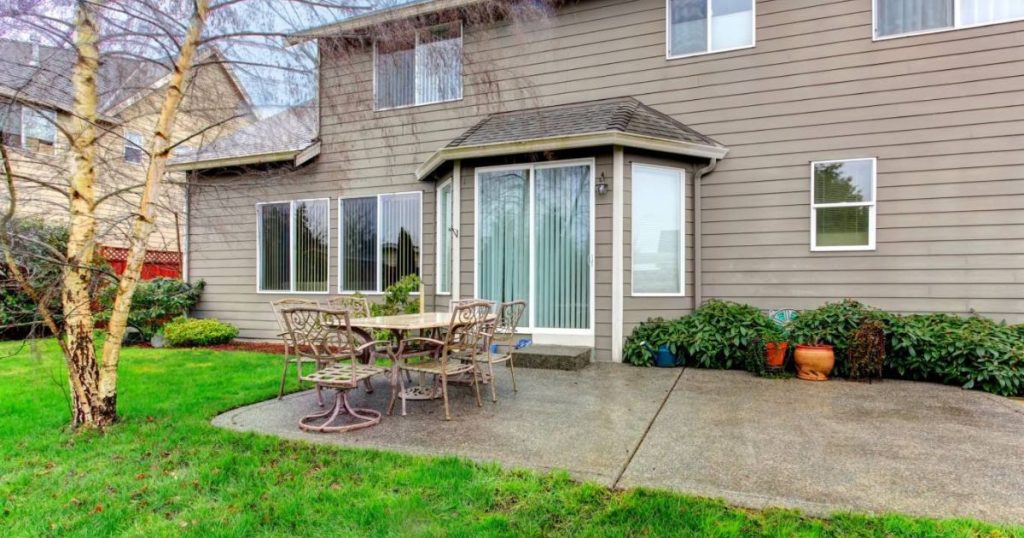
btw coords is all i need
(165, 471)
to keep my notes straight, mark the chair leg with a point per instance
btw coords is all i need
(444, 394)
(494, 384)
(401, 391)
(512, 370)
(476, 386)
(284, 374)
(319, 393)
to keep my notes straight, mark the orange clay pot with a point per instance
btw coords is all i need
(775, 353)
(814, 362)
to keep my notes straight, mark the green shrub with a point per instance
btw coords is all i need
(646, 338)
(833, 324)
(720, 334)
(399, 298)
(972, 352)
(198, 332)
(155, 303)
(38, 249)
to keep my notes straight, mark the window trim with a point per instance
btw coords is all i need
(415, 77)
(291, 250)
(437, 238)
(532, 167)
(668, 33)
(682, 232)
(872, 209)
(957, 25)
(341, 248)
(127, 141)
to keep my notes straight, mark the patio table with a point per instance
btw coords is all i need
(400, 325)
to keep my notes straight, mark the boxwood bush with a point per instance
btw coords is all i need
(198, 332)
(154, 303)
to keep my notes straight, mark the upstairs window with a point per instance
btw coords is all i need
(702, 26)
(293, 246)
(901, 17)
(843, 205)
(32, 129)
(425, 68)
(133, 147)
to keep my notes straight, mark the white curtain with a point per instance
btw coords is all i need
(906, 16)
(439, 71)
(562, 247)
(983, 11)
(503, 242)
(732, 24)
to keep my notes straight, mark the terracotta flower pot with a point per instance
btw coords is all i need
(814, 362)
(775, 353)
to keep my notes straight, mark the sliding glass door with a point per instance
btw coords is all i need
(535, 241)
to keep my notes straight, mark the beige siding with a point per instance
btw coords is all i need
(943, 113)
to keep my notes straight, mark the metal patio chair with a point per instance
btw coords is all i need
(325, 337)
(359, 307)
(278, 308)
(499, 341)
(453, 355)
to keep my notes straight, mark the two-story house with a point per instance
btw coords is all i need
(611, 160)
(36, 100)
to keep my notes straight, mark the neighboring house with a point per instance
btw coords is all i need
(36, 100)
(627, 159)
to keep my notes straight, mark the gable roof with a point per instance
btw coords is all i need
(621, 121)
(288, 135)
(122, 80)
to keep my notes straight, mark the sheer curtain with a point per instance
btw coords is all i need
(732, 24)
(983, 11)
(395, 76)
(439, 64)
(906, 16)
(562, 247)
(275, 247)
(689, 26)
(359, 244)
(312, 222)
(503, 242)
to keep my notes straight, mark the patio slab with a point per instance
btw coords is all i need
(890, 446)
(587, 422)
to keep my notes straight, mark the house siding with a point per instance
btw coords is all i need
(943, 113)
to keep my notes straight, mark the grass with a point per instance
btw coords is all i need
(164, 470)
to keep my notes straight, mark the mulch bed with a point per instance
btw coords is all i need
(256, 347)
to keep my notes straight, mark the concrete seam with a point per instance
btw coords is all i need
(647, 430)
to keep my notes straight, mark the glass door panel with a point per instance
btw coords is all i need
(561, 258)
(503, 236)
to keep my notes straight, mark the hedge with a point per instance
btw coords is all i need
(198, 332)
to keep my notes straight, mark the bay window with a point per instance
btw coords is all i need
(900, 17)
(423, 68)
(293, 242)
(444, 237)
(701, 26)
(843, 205)
(658, 242)
(379, 240)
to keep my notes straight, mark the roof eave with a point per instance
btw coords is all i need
(375, 17)
(664, 145)
(297, 156)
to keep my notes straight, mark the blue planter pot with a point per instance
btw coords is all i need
(664, 358)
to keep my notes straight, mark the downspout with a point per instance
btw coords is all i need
(188, 227)
(698, 271)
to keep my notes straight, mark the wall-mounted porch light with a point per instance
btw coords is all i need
(602, 185)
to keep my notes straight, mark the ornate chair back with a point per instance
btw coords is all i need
(452, 305)
(503, 330)
(466, 328)
(359, 307)
(322, 335)
(280, 305)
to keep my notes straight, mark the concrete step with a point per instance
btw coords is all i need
(552, 357)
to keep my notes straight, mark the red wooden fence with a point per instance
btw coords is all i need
(158, 263)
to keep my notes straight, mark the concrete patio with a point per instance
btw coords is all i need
(893, 446)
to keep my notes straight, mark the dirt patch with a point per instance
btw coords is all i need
(255, 347)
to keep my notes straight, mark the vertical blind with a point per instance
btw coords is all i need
(562, 247)
(312, 244)
(423, 68)
(905, 16)
(275, 247)
(444, 239)
(657, 241)
(399, 236)
(503, 242)
(359, 244)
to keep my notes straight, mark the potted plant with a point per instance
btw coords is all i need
(814, 361)
(775, 345)
(653, 342)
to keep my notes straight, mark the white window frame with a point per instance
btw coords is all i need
(416, 78)
(127, 140)
(50, 114)
(341, 247)
(291, 250)
(437, 239)
(872, 208)
(668, 32)
(957, 24)
(532, 168)
(682, 233)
